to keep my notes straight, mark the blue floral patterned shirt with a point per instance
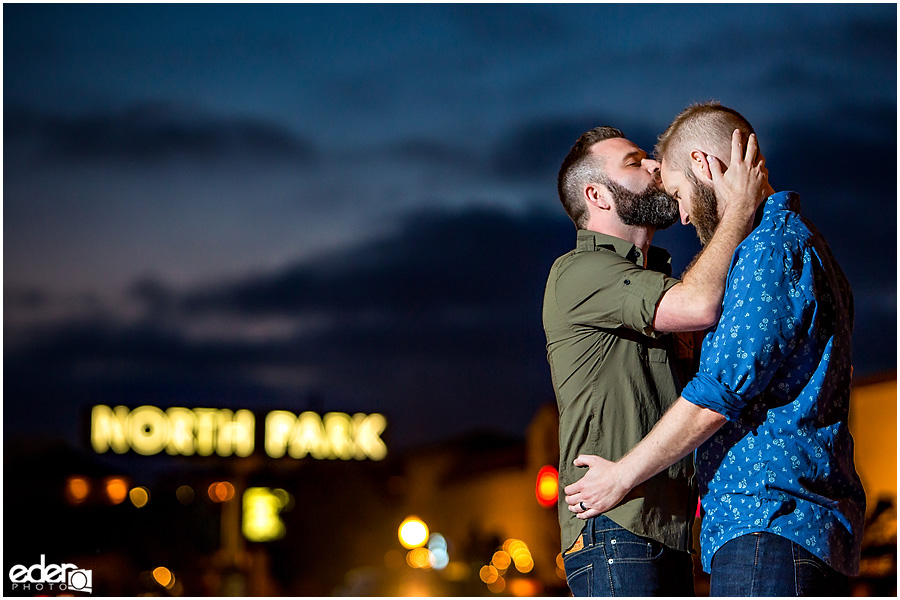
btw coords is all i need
(777, 366)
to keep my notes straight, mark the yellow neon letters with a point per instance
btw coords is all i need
(182, 431)
(149, 430)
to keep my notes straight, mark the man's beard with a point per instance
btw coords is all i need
(704, 209)
(653, 207)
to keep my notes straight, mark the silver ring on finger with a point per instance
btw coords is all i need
(583, 508)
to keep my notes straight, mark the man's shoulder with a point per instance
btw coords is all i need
(594, 261)
(789, 236)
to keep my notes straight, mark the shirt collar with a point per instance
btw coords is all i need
(782, 201)
(657, 258)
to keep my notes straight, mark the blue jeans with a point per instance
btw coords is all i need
(616, 562)
(765, 564)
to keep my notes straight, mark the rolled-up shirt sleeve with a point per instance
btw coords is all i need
(626, 294)
(766, 308)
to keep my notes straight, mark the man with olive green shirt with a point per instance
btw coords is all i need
(609, 307)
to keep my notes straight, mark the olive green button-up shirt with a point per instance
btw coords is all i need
(615, 376)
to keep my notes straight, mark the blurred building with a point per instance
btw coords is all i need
(169, 524)
(873, 422)
(257, 525)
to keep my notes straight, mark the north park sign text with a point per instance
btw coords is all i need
(150, 430)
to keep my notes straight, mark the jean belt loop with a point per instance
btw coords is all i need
(591, 531)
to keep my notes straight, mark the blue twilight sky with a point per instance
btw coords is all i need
(353, 207)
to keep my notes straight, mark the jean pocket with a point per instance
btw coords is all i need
(631, 548)
(581, 581)
(811, 578)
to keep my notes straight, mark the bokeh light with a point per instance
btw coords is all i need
(498, 585)
(420, 558)
(413, 532)
(501, 560)
(116, 490)
(164, 577)
(488, 574)
(440, 551)
(286, 499)
(524, 563)
(262, 509)
(139, 496)
(560, 566)
(413, 588)
(521, 555)
(185, 494)
(77, 489)
(546, 487)
(524, 588)
(220, 491)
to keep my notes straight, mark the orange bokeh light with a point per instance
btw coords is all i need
(164, 577)
(497, 586)
(221, 491)
(116, 490)
(77, 489)
(527, 588)
(488, 574)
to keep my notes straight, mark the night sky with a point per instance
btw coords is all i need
(353, 208)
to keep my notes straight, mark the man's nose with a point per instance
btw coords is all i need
(651, 165)
(685, 218)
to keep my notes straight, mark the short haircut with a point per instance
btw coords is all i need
(706, 126)
(579, 168)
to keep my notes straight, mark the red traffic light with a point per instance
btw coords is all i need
(546, 488)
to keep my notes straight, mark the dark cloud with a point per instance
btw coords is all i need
(430, 326)
(150, 133)
(536, 148)
(25, 299)
(830, 46)
(432, 151)
(821, 162)
(872, 38)
(476, 258)
(496, 24)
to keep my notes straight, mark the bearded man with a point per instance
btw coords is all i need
(610, 309)
(783, 507)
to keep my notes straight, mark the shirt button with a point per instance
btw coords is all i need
(627, 282)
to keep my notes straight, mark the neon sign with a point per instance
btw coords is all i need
(149, 430)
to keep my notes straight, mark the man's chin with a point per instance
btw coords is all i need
(666, 225)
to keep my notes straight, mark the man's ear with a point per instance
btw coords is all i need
(597, 195)
(700, 165)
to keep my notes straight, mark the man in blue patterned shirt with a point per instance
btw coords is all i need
(767, 413)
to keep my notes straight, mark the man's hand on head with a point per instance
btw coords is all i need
(744, 184)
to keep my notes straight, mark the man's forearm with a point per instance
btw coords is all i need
(684, 427)
(696, 302)
(681, 430)
(705, 278)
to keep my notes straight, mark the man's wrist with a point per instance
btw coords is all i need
(626, 474)
(738, 212)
